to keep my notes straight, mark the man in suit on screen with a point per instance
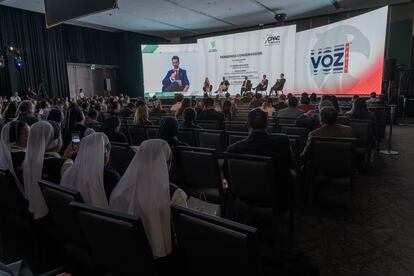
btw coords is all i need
(176, 79)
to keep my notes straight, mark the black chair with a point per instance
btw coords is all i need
(255, 191)
(212, 139)
(215, 246)
(207, 124)
(76, 251)
(118, 242)
(152, 131)
(364, 134)
(330, 159)
(235, 136)
(302, 132)
(200, 173)
(188, 136)
(137, 135)
(120, 157)
(232, 126)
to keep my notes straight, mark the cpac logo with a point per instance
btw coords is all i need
(272, 39)
(330, 59)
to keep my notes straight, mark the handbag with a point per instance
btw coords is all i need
(203, 206)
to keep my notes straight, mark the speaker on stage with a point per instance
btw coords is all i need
(390, 66)
(107, 84)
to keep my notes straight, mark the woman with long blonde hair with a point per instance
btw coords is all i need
(141, 116)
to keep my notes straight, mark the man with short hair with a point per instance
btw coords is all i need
(91, 117)
(176, 79)
(372, 98)
(329, 127)
(260, 143)
(291, 111)
(27, 113)
(211, 114)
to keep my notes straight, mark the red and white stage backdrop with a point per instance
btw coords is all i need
(343, 58)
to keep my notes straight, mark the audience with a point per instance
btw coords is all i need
(210, 113)
(144, 191)
(329, 127)
(111, 127)
(90, 174)
(359, 110)
(178, 98)
(10, 112)
(184, 104)
(291, 111)
(141, 116)
(189, 116)
(305, 103)
(267, 107)
(372, 98)
(281, 104)
(91, 117)
(169, 130)
(27, 113)
(227, 110)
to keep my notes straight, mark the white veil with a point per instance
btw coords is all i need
(86, 175)
(41, 138)
(144, 191)
(6, 161)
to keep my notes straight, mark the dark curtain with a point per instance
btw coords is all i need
(46, 52)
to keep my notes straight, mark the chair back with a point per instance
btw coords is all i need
(232, 126)
(211, 139)
(332, 156)
(11, 198)
(362, 131)
(213, 245)
(137, 135)
(235, 136)
(120, 157)
(200, 172)
(207, 124)
(251, 178)
(57, 199)
(188, 136)
(117, 241)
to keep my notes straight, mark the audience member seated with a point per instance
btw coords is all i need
(10, 112)
(372, 98)
(227, 110)
(144, 191)
(13, 142)
(259, 142)
(128, 110)
(43, 161)
(210, 113)
(189, 116)
(91, 117)
(267, 107)
(115, 109)
(56, 116)
(27, 113)
(281, 104)
(184, 104)
(305, 103)
(169, 130)
(359, 110)
(90, 174)
(111, 127)
(329, 127)
(85, 108)
(141, 116)
(291, 111)
(313, 98)
(157, 107)
(44, 109)
(178, 99)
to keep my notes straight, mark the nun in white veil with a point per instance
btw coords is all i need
(86, 175)
(144, 191)
(43, 138)
(6, 161)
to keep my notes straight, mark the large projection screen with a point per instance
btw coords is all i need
(267, 52)
(344, 58)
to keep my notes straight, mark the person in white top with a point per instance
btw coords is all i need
(144, 191)
(15, 98)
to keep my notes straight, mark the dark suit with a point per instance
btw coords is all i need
(278, 86)
(262, 87)
(246, 86)
(211, 114)
(278, 147)
(168, 85)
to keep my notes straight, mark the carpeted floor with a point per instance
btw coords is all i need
(377, 237)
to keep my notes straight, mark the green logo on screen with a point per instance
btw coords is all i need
(212, 47)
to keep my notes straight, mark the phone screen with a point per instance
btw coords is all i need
(75, 138)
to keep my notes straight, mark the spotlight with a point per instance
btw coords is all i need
(280, 17)
(18, 61)
(11, 48)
